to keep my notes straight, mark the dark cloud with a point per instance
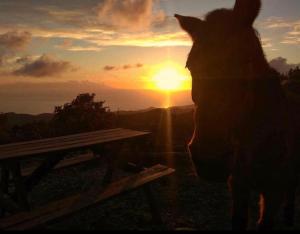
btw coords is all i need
(127, 66)
(281, 65)
(44, 66)
(11, 42)
(15, 40)
(109, 68)
(124, 67)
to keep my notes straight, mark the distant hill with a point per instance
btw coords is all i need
(21, 119)
(145, 114)
(171, 128)
(36, 98)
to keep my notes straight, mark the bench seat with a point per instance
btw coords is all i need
(75, 203)
(69, 162)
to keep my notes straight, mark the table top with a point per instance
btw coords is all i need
(76, 141)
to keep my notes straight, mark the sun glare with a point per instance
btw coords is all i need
(170, 77)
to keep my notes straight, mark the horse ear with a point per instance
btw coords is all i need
(247, 11)
(191, 25)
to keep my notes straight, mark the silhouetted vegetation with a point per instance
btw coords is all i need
(294, 74)
(83, 114)
(4, 130)
(31, 131)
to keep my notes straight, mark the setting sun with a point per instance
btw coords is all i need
(170, 77)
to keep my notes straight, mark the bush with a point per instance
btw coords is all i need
(83, 114)
(4, 130)
(294, 74)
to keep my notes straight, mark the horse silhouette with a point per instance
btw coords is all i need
(243, 131)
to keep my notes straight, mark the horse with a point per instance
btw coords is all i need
(243, 119)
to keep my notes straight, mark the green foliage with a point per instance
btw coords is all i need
(83, 114)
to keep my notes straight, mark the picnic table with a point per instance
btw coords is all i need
(16, 182)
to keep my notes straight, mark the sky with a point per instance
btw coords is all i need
(116, 44)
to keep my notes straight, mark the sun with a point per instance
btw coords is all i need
(169, 77)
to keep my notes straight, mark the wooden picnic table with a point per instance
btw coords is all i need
(16, 182)
(63, 143)
(53, 150)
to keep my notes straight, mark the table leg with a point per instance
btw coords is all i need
(2, 211)
(155, 211)
(7, 203)
(20, 194)
(109, 153)
(109, 171)
(3, 187)
(44, 169)
(4, 178)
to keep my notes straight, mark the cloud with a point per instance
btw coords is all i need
(23, 60)
(109, 68)
(44, 66)
(84, 49)
(123, 67)
(73, 48)
(96, 23)
(291, 28)
(110, 23)
(130, 14)
(266, 42)
(127, 66)
(15, 40)
(293, 36)
(68, 45)
(276, 23)
(282, 65)
(11, 42)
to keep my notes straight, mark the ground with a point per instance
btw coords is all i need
(186, 202)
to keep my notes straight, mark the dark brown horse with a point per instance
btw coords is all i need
(243, 128)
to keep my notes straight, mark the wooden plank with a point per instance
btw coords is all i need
(21, 153)
(41, 141)
(68, 139)
(52, 145)
(78, 202)
(63, 164)
(44, 142)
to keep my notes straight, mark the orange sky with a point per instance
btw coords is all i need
(126, 44)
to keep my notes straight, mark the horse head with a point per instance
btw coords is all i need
(230, 77)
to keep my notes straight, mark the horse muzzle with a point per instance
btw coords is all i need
(213, 162)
